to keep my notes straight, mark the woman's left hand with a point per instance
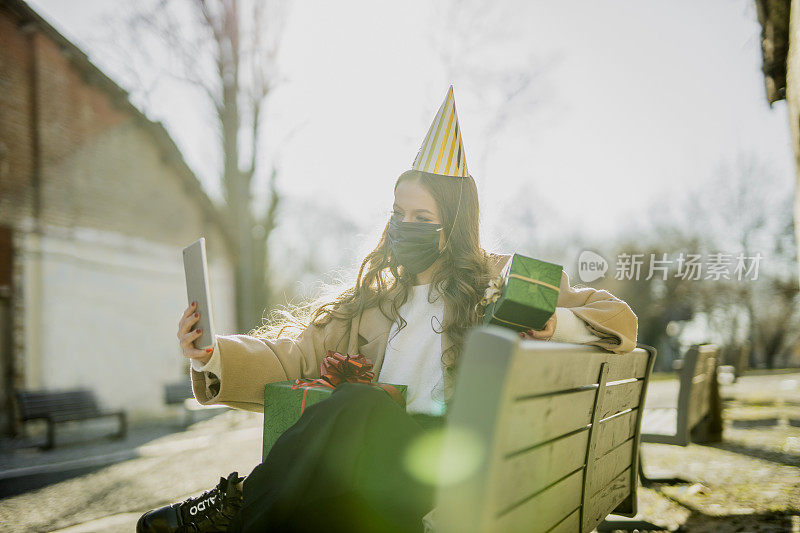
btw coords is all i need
(543, 334)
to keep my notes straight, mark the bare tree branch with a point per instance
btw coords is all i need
(227, 50)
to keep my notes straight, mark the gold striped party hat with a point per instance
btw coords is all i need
(442, 151)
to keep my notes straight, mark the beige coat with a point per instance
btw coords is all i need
(248, 363)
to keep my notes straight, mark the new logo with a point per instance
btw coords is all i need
(591, 266)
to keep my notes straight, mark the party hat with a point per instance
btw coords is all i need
(442, 151)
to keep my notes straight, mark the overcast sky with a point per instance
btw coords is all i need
(631, 101)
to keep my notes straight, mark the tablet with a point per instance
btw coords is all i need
(197, 289)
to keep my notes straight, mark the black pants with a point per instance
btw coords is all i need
(341, 468)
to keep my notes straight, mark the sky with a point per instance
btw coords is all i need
(631, 102)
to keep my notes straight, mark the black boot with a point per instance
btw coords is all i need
(210, 512)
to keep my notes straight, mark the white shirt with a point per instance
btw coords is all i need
(413, 354)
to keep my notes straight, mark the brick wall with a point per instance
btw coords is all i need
(15, 130)
(99, 287)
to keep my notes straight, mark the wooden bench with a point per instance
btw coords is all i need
(697, 407)
(64, 406)
(551, 431)
(697, 416)
(180, 393)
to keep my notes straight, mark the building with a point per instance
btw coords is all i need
(96, 204)
(780, 38)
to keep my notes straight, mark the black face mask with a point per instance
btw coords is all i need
(414, 244)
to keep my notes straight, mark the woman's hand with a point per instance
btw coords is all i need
(186, 337)
(543, 334)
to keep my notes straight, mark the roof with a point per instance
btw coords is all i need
(774, 18)
(94, 76)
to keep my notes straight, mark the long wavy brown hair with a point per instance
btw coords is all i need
(461, 277)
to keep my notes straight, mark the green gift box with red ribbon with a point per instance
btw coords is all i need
(285, 401)
(525, 294)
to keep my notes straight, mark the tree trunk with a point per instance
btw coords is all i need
(238, 201)
(250, 232)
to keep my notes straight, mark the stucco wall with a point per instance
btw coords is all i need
(105, 315)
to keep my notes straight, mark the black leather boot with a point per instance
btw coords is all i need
(211, 512)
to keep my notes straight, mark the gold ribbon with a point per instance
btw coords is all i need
(536, 281)
(495, 288)
(523, 326)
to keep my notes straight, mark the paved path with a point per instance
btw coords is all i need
(111, 498)
(117, 522)
(768, 388)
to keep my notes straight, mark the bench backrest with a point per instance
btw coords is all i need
(177, 392)
(551, 431)
(40, 404)
(694, 397)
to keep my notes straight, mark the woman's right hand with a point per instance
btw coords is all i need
(187, 338)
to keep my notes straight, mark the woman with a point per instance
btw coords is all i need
(339, 468)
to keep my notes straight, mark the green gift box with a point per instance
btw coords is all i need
(282, 407)
(524, 296)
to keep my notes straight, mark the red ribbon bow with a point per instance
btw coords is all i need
(336, 369)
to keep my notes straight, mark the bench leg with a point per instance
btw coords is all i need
(123, 426)
(51, 435)
(664, 480)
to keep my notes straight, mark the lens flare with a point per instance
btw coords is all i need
(444, 456)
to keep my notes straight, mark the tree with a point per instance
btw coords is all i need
(485, 45)
(227, 49)
(745, 208)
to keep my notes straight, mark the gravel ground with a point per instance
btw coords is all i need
(750, 482)
(744, 484)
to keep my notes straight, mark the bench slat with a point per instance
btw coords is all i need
(546, 418)
(698, 405)
(54, 406)
(57, 413)
(38, 394)
(700, 395)
(596, 510)
(610, 466)
(62, 413)
(550, 417)
(53, 403)
(704, 353)
(571, 524)
(520, 476)
(555, 372)
(543, 512)
(84, 416)
(48, 402)
(614, 431)
(620, 398)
